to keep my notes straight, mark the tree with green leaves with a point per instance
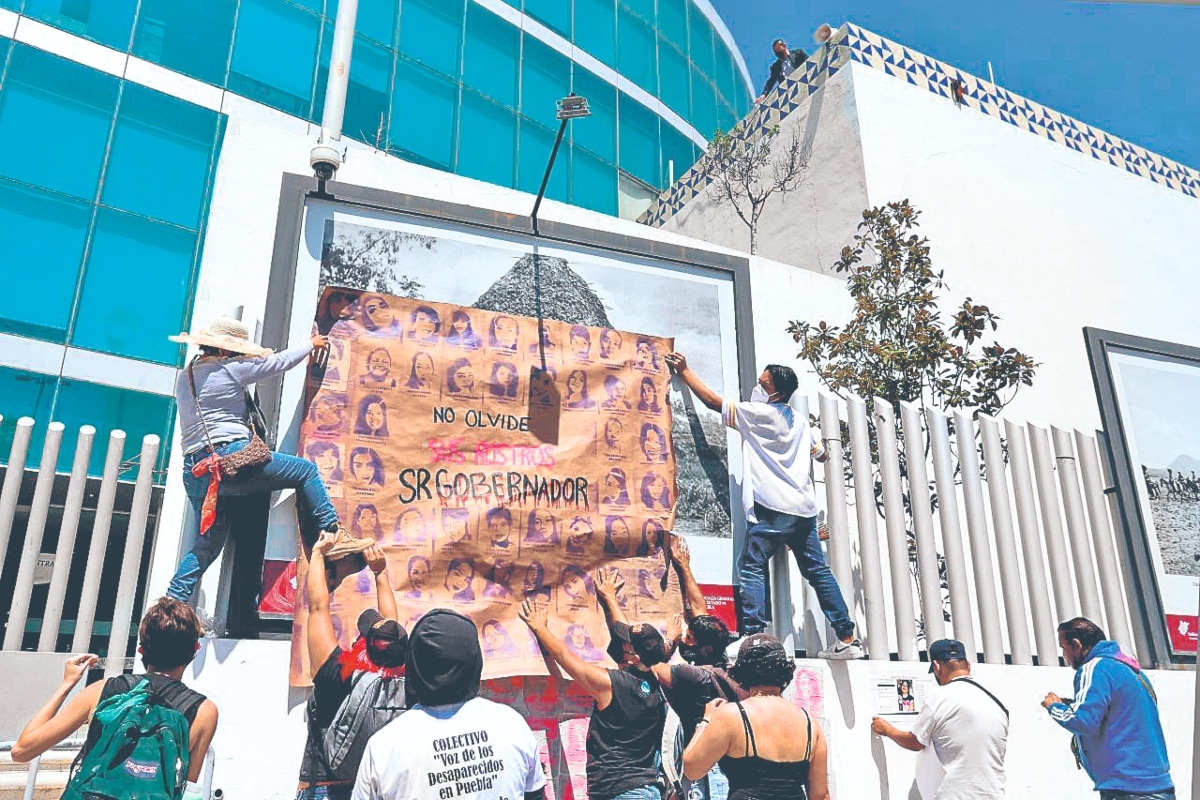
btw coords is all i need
(367, 259)
(743, 171)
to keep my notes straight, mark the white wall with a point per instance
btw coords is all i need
(261, 732)
(1052, 240)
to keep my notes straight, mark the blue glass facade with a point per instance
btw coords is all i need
(104, 189)
(448, 83)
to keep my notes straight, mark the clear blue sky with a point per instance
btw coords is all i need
(1132, 69)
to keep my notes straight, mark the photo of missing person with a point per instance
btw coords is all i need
(410, 528)
(502, 334)
(580, 532)
(541, 386)
(499, 522)
(646, 356)
(580, 642)
(616, 536)
(655, 494)
(328, 415)
(648, 397)
(456, 531)
(654, 444)
(370, 418)
(653, 535)
(496, 641)
(424, 325)
(577, 391)
(328, 459)
(505, 381)
(418, 580)
(580, 343)
(576, 587)
(533, 586)
(615, 389)
(610, 345)
(461, 333)
(422, 375)
(497, 580)
(332, 374)
(366, 468)
(613, 445)
(378, 374)
(364, 522)
(377, 316)
(616, 488)
(460, 379)
(648, 583)
(905, 700)
(542, 527)
(460, 577)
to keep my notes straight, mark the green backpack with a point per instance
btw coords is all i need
(141, 752)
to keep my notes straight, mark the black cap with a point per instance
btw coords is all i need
(648, 644)
(387, 644)
(946, 650)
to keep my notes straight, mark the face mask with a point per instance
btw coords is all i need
(759, 395)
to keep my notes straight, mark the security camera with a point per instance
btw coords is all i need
(324, 161)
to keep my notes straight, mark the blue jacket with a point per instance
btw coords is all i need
(1115, 720)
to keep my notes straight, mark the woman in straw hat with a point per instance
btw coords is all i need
(215, 385)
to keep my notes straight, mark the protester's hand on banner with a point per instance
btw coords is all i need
(534, 614)
(680, 551)
(676, 361)
(674, 630)
(609, 582)
(320, 353)
(375, 559)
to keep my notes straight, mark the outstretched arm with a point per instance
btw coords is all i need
(53, 723)
(681, 557)
(608, 585)
(593, 679)
(679, 365)
(321, 638)
(906, 739)
(383, 587)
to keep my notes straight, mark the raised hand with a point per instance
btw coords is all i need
(76, 667)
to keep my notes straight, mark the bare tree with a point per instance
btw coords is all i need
(743, 172)
(368, 259)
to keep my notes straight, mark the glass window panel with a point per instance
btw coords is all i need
(105, 21)
(423, 106)
(643, 8)
(12, 5)
(376, 20)
(635, 53)
(726, 118)
(723, 74)
(593, 182)
(598, 132)
(431, 32)
(486, 140)
(109, 408)
(678, 148)
(54, 121)
(704, 106)
(159, 163)
(673, 78)
(192, 38)
(672, 22)
(596, 29)
(274, 54)
(135, 287)
(639, 141)
(490, 56)
(536, 143)
(367, 94)
(554, 14)
(545, 79)
(25, 394)
(700, 41)
(44, 236)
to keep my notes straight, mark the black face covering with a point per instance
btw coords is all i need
(616, 647)
(444, 660)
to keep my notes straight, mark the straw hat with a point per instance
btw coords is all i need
(224, 333)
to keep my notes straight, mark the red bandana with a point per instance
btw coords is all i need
(356, 660)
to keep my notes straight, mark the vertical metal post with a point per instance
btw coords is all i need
(35, 529)
(1006, 545)
(981, 552)
(1056, 546)
(1102, 540)
(31, 778)
(334, 110)
(101, 523)
(962, 610)
(64, 553)
(11, 491)
(1044, 626)
(876, 638)
(918, 492)
(1081, 549)
(135, 536)
(897, 531)
(837, 519)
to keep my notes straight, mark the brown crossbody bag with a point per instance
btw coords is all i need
(254, 454)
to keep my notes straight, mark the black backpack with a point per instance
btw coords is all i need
(373, 702)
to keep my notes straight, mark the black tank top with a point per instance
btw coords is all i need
(754, 778)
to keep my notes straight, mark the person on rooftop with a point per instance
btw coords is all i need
(786, 62)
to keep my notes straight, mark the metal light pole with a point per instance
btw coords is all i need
(570, 107)
(326, 156)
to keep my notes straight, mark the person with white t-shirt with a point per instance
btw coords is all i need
(778, 498)
(451, 742)
(964, 723)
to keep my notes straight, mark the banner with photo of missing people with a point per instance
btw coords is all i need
(493, 467)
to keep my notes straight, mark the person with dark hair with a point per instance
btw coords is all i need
(786, 62)
(777, 498)
(460, 378)
(964, 723)
(580, 534)
(365, 522)
(656, 494)
(460, 579)
(409, 757)
(610, 344)
(168, 639)
(422, 374)
(502, 334)
(328, 460)
(628, 711)
(580, 642)
(648, 398)
(461, 334)
(366, 467)
(504, 380)
(580, 341)
(377, 315)
(616, 489)
(456, 528)
(496, 641)
(652, 539)
(1118, 736)
(542, 527)
(377, 654)
(424, 325)
(418, 578)
(542, 390)
(577, 391)
(616, 390)
(499, 526)
(534, 587)
(409, 527)
(655, 449)
(379, 370)
(497, 581)
(616, 536)
(768, 748)
(576, 585)
(646, 355)
(371, 419)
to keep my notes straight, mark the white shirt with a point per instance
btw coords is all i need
(969, 733)
(777, 445)
(477, 749)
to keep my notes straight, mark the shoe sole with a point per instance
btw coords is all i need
(343, 550)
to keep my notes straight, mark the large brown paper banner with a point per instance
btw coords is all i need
(488, 480)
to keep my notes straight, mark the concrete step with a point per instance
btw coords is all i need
(53, 773)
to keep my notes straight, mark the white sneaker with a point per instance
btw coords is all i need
(842, 651)
(206, 622)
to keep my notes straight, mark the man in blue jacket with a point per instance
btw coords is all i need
(1113, 717)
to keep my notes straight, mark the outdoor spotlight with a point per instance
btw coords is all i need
(573, 107)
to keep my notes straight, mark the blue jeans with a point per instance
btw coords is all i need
(1167, 795)
(314, 509)
(774, 530)
(713, 786)
(640, 793)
